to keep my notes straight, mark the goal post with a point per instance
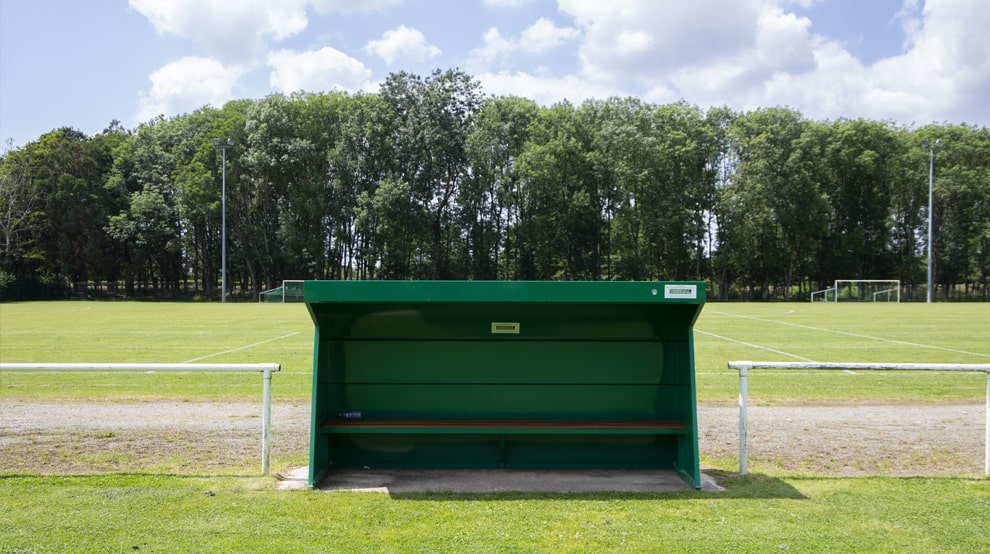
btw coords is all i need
(290, 291)
(867, 290)
(860, 290)
(826, 295)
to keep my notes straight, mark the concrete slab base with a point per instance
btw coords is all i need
(393, 481)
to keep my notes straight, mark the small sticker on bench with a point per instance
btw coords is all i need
(680, 291)
(505, 328)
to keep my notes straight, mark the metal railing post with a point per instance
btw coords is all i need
(743, 402)
(266, 423)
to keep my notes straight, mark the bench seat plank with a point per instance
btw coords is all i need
(503, 426)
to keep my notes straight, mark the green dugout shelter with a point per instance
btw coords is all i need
(504, 374)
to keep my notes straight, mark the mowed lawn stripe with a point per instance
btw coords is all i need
(856, 335)
(756, 346)
(245, 347)
(171, 332)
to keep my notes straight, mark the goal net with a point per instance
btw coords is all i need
(290, 291)
(860, 290)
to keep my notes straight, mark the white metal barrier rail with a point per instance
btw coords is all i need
(265, 369)
(745, 367)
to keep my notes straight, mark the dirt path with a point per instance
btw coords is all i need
(199, 437)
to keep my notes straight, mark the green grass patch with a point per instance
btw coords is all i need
(282, 333)
(893, 333)
(163, 509)
(145, 513)
(153, 332)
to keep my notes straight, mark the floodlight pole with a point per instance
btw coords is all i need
(223, 146)
(931, 182)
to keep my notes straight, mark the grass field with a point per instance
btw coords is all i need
(282, 333)
(135, 513)
(240, 512)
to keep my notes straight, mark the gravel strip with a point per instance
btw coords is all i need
(202, 437)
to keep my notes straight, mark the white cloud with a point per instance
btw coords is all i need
(243, 29)
(352, 6)
(743, 53)
(783, 42)
(633, 42)
(186, 85)
(319, 70)
(545, 90)
(910, 17)
(507, 3)
(545, 35)
(757, 53)
(402, 44)
(229, 30)
(645, 40)
(945, 72)
(780, 53)
(496, 51)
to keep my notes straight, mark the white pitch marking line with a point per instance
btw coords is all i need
(241, 348)
(919, 345)
(751, 345)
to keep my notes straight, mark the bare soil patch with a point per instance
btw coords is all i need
(56, 437)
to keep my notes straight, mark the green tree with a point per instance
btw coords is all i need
(861, 164)
(149, 227)
(488, 196)
(560, 228)
(395, 219)
(20, 202)
(146, 223)
(274, 158)
(773, 211)
(359, 161)
(908, 215)
(433, 119)
(721, 164)
(70, 170)
(304, 234)
(656, 168)
(962, 206)
(624, 153)
(682, 192)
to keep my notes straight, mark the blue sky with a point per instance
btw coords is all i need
(85, 63)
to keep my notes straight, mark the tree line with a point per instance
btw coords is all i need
(430, 179)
